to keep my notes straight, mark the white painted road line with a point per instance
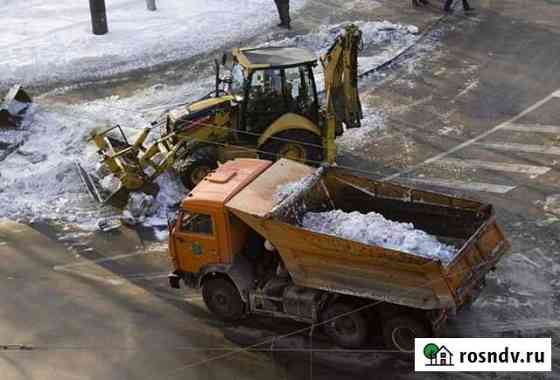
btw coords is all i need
(461, 185)
(496, 166)
(474, 139)
(524, 148)
(534, 128)
(102, 260)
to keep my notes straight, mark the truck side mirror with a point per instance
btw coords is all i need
(171, 220)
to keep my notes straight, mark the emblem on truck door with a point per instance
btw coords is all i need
(196, 249)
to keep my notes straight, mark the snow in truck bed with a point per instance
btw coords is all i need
(373, 229)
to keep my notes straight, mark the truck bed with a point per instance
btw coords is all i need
(335, 264)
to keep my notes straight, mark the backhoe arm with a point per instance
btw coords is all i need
(340, 66)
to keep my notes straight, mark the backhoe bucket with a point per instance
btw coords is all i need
(13, 108)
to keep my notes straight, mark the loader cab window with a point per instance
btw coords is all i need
(275, 92)
(197, 223)
(237, 80)
(301, 92)
(265, 99)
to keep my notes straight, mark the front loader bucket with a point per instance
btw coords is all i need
(118, 198)
(13, 108)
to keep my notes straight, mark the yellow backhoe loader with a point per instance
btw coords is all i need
(268, 107)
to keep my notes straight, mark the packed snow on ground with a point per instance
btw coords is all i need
(51, 41)
(374, 229)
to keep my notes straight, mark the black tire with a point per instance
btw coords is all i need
(350, 329)
(222, 299)
(399, 332)
(192, 170)
(303, 142)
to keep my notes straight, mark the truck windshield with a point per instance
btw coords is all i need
(196, 223)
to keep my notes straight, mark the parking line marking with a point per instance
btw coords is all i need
(534, 128)
(462, 185)
(496, 166)
(474, 139)
(525, 148)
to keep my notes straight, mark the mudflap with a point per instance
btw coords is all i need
(13, 108)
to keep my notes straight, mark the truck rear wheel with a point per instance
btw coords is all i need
(345, 326)
(399, 332)
(223, 299)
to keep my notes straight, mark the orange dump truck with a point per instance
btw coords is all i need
(244, 245)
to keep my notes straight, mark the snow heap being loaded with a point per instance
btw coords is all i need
(373, 229)
(370, 228)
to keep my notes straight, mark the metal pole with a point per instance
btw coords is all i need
(98, 16)
(151, 4)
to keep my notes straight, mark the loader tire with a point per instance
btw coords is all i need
(400, 331)
(223, 299)
(345, 326)
(297, 145)
(192, 171)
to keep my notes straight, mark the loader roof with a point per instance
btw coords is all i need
(267, 57)
(226, 181)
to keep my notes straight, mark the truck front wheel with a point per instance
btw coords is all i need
(399, 332)
(344, 325)
(223, 299)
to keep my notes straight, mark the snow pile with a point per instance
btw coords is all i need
(552, 204)
(374, 229)
(51, 41)
(171, 193)
(39, 181)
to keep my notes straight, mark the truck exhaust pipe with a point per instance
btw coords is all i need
(13, 108)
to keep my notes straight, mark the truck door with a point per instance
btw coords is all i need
(196, 240)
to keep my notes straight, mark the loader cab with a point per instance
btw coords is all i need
(273, 82)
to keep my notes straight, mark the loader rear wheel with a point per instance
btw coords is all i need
(223, 299)
(297, 145)
(345, 326)
(400, 331)
(192, 171)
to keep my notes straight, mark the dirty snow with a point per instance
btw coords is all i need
(374, 229)
(51, 41)
(552, 204)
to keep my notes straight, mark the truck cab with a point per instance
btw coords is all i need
(206, 237)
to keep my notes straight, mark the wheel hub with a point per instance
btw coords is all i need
(293, 152)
